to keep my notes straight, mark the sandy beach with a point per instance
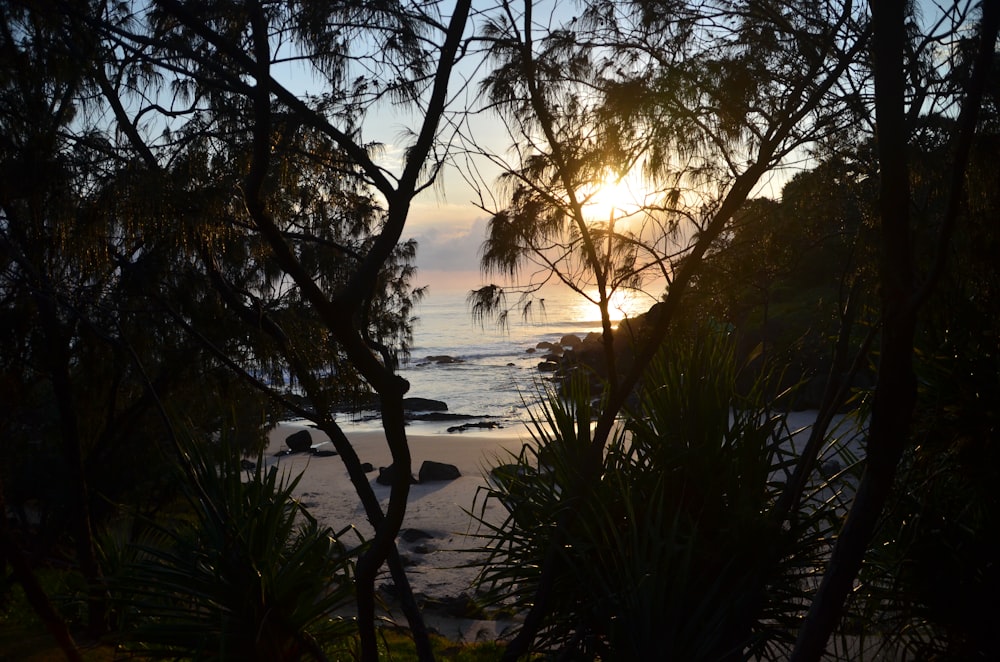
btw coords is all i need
(435, 564)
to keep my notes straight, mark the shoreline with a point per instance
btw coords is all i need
(438, 535)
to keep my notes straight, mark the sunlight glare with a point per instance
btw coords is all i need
(623, 304)
(615, 198)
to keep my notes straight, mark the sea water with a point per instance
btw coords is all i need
(493, 374)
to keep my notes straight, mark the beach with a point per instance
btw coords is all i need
(435, 563)
(438, 531)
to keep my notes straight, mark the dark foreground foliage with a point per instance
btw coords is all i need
(668, 551)
(248, 574)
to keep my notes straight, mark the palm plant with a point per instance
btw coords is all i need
(248, 574)
(671, 552)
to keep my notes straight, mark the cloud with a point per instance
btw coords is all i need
(449, 246)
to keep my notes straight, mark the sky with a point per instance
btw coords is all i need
(444, 220)
(448, 227)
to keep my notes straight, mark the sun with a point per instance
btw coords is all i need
(614, 198)
(623, 304)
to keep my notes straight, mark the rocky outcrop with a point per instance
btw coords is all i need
(586, 356)
(570, 341)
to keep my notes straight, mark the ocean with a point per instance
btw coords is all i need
(494, 376)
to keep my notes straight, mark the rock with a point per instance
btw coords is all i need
(299, 442)
(443, 359)
(440, 416)
(247, 465)
(530, 350)
(488, 425)
(545, 344)
(367, 467)
(570, 340)
(548, 366)
(431, 471)
(423, 404)
(386, 475)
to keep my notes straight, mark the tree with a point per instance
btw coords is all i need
(720, 96)
(786, 270)
(675, 90)
(276, 198)
(903, 293)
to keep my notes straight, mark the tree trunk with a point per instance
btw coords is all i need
(83, 533)
(896, 388)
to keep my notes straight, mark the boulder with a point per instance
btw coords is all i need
(299, 442)
(423, 404)
(386, 475)
(548, 366)
(367, 467)
(570, 340)
(431, 471)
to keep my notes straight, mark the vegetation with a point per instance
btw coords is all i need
(671, 551)
(192, 239)
(250, 559)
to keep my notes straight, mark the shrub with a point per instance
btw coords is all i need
(249, 575)
(668, 550)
